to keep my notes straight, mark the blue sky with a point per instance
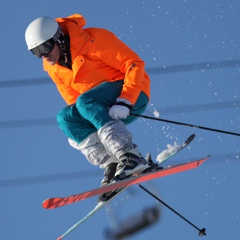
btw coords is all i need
(36, 161)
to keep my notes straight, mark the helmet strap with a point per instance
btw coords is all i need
(61, 43)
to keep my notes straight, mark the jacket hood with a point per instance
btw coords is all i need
(77, 19)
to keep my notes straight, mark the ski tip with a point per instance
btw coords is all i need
(190, 138)
(45, 204)
(204, 159)
(209, 155)
(52, 203)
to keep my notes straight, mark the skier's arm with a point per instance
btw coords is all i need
(118, 55)
(67, 93)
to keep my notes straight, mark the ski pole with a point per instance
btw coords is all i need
(202, 231)
(186, 124)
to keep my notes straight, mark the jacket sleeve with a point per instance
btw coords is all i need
(118, 55)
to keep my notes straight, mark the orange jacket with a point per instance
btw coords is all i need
(97, 56)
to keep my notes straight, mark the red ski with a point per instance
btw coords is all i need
(59, 202)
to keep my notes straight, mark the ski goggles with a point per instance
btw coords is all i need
(44, 49)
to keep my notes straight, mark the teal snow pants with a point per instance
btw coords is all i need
(90, 113)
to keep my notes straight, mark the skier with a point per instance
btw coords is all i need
(102, 81)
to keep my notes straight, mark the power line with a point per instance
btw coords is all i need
(226, 158)
(28, 123)
(201, 107)
(48, 178)
(165, 111)
(25, 82)
(194, 67)
(151, 71)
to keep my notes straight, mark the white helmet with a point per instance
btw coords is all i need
(40, 30)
